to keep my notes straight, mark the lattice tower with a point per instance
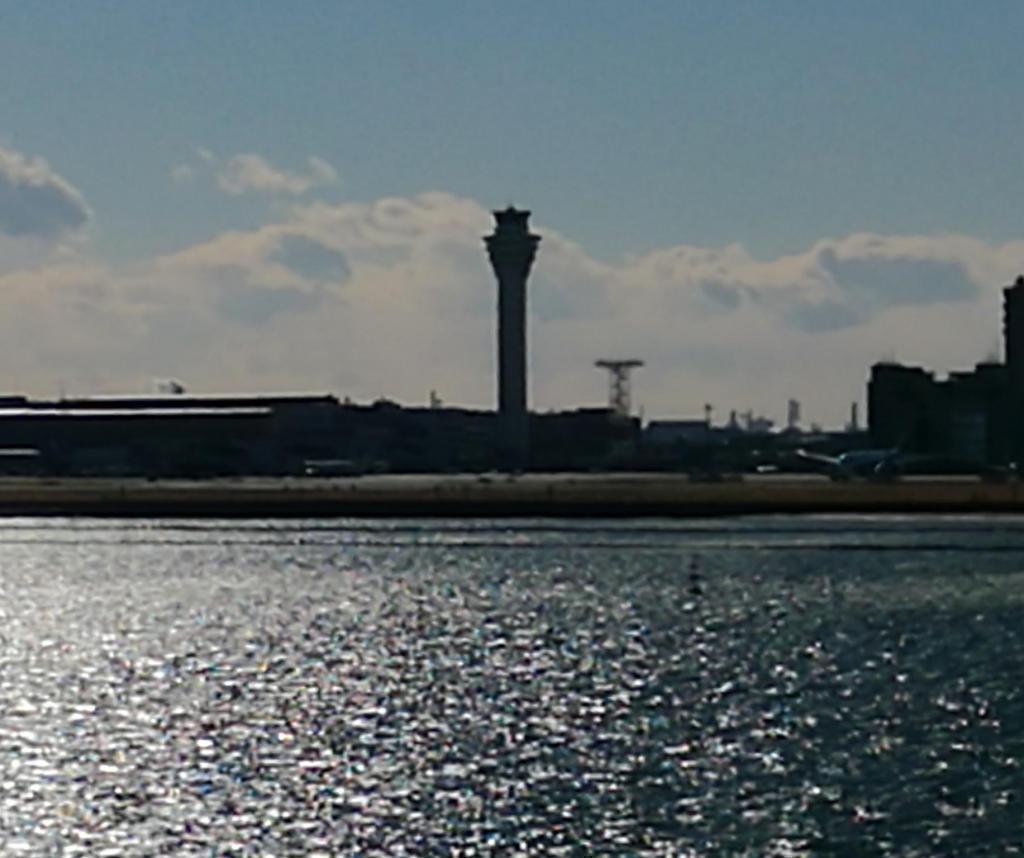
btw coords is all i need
(619, 386)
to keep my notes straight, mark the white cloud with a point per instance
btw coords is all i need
(35, 201)
(395, 298)
(320, 172)
(250, 172)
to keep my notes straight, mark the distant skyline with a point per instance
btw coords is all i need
(757, 201)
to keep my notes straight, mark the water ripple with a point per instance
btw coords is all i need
(544, 692)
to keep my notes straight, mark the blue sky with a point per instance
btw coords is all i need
(627, 128)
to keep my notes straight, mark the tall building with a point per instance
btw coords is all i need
(901, 405)
(512, 248)
(971, 417)
(1013, 333)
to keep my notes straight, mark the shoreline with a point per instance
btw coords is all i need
(499, 496)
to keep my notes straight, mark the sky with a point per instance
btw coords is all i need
(758, 200)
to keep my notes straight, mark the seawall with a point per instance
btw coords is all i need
(561, 495)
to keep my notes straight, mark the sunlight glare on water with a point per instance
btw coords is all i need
(746, 687)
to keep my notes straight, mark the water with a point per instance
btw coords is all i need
(846, 686)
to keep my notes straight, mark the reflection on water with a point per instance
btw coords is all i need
(754, 687)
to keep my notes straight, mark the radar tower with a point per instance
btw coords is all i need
(619, 387)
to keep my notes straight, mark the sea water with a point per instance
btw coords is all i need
(747, 687)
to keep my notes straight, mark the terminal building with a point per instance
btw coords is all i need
(971, 417)
(289, 434)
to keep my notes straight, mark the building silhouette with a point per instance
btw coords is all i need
(969, 417)
(1013, 333)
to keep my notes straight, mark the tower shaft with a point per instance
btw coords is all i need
(512, 346)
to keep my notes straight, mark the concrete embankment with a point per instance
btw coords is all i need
(561, 495)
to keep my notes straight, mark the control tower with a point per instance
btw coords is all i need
(511, 248)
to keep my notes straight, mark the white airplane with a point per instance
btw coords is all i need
(863, 463)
